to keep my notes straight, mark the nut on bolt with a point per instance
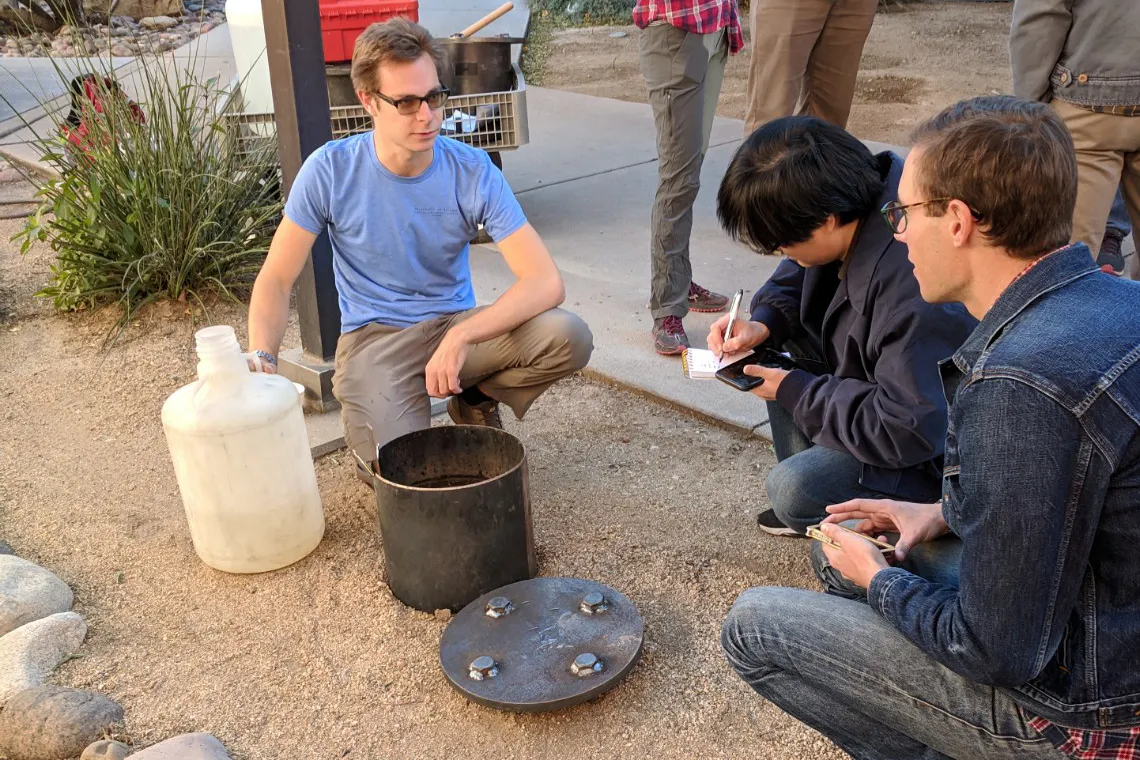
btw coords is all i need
(498, 607)
(482, 667)
(593, 603)
(586, 664)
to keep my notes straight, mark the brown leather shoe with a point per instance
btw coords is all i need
(485, 414)
(705, 301)
(669, 338)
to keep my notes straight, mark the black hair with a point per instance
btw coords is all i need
(790, 175)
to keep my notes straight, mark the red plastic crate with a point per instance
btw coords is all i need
(342, 21)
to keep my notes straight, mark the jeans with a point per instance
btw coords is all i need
(808, 478)
(1118, 216)
(838, 666)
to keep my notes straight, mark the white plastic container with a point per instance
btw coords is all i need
(247, 37)
(241, 456)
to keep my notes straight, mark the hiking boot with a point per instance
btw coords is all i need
(770, 524)
(705, 301)
(1111, 259)
(669, 337)
(485, 414)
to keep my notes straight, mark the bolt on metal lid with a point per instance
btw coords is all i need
(542, 644)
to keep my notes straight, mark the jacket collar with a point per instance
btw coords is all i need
(874, 238)
(1054, 271)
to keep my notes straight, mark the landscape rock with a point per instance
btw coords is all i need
(4, 547)
(105, 749)
(49, 722)
(185, 747)
(29, 592)
(122, 51)
(30, 653)
(158, 22)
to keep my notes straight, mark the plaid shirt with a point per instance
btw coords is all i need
(1091, 745)
(697, 16)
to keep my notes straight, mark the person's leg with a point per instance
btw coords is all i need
(936, 561)
(516, 368)
(803, 486)
(834, 64)
(1111, 256)
(1130, 186)
(787, 438)
(674, 63)
(379, 382)
(784, 33)
(1099, 168)
(839, 667)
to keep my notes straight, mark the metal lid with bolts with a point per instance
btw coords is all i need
(542, 644)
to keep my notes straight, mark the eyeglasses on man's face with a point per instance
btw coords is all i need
(410, 105)
(895, 213)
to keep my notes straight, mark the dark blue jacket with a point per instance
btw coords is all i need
(879, 396)
(1043, 487)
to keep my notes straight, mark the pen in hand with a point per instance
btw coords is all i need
(731, 319)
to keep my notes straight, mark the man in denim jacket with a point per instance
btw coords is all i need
(1030, 649)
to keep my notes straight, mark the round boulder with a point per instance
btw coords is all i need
(49, 722)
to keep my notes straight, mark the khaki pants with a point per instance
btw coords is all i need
(379, 375)
(1108, 156)
(683, 72)
(805, 58)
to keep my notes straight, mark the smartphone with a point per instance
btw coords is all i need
(734, 375)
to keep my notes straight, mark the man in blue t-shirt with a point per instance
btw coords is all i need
(400, 206)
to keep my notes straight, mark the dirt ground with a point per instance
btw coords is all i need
(919, 58)
(318, 660)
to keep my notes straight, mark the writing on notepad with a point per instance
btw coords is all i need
(700, 363)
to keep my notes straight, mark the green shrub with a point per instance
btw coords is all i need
(171, 208)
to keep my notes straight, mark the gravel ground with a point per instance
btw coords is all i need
(318, 660)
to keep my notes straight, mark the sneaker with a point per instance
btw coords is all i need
(705, 301)
(770, 524)
(669, 337)
(1110, 259)
(485, 414)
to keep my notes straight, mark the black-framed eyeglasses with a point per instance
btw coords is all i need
(894, 213)
(410, 105)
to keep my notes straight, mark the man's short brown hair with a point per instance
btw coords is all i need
(394, 41)
(1011, 161)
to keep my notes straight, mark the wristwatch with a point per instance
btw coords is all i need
(265, 356)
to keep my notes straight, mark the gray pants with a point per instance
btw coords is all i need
(683, 72)
(379, 378)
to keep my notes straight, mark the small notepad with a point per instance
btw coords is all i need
(700, 363)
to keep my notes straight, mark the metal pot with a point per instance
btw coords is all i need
(478, 65)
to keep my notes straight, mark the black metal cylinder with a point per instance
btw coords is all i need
(453, 506)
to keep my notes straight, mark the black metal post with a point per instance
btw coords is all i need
(301, 105)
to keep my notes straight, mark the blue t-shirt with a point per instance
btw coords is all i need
(400, 244)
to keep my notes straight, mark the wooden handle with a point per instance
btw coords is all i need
(492, 16)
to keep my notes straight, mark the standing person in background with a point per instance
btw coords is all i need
(684, 45)
(805, 58)
(1080, 56)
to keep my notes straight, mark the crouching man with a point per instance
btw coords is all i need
(400, 204)
(864, 415)
(1030, 650)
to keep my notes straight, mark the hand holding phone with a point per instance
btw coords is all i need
(734, 375)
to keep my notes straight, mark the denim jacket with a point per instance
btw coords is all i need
(1081, 51)
(1042, 485)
